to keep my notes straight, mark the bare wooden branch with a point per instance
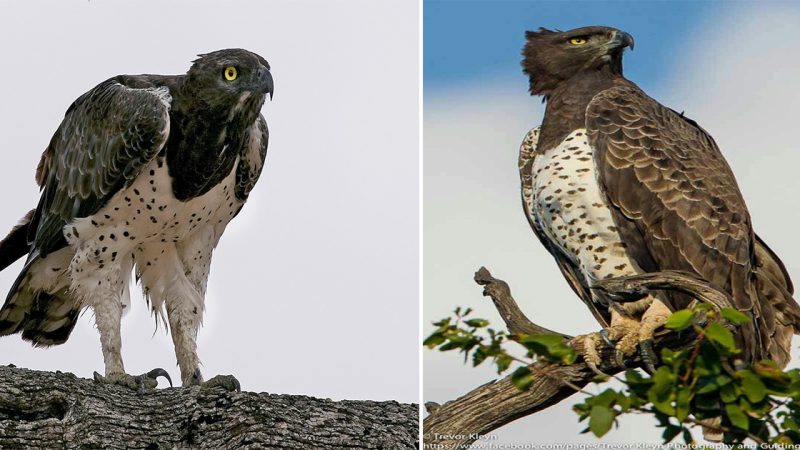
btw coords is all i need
(46, 410)
(458, 423)
(516, 321)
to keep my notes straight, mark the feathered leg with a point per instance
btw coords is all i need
(165, 284)
(175, 280)
(195, 255)
(100, 284)
(184, 322)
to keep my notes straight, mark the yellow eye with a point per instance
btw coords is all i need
(578, 41)
(230, 73)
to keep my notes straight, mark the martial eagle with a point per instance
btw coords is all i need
(144, 173)
(614, 183)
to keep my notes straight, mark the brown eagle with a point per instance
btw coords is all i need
(614, 183)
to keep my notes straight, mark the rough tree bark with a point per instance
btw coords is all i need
(45, 410)
(460, 422)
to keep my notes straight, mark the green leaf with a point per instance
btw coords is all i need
(720, 335)
(703, 307)
(477, 323)
(735, 317)
(728, 393)
(503, 362)
(667, 355)
(753, 387)
(670, 432)
(790, 424)
(434, 340)
(687, 436)
(605, 398)
(660, 394)
(706, 387)
(680, 320)
(624, 402)
(663, 380)
(682, 403)
(522, 378)
(634, 377)
(479, 356)
(549, 346)
(601, 420)
(722, 380)
(737, 417)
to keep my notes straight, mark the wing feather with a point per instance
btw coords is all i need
(107, 136)
(677, 203)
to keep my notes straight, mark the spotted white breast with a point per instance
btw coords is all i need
(169, 241)
(569, 207)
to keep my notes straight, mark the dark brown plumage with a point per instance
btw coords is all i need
(674, 200)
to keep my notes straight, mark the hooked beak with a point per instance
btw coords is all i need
(621, 40)
(265, 82)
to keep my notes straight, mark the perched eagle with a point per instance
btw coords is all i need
(614, 184)
(144, 172)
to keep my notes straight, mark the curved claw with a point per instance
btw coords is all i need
(648, 354)
(155, 373)
(597, 371)
(619, 357)
(604, 334)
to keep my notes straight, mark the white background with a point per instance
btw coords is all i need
(314, 287)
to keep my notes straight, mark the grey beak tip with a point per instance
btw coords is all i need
(267, 83)
(629, 40)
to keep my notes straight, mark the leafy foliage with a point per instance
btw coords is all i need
(464, 334)
(702, 384)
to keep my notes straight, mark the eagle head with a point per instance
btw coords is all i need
(231, 79)
(554, 56)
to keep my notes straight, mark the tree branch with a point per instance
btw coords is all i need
(458, 423)
(46, 410)
(516, 321)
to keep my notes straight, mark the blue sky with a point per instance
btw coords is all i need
(465, 40)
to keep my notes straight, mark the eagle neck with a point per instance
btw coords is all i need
(202, 149)
(566, 104)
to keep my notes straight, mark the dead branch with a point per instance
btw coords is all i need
(54, 410)
(458, 423)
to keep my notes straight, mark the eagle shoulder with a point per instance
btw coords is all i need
(666, 175)
(105, 139)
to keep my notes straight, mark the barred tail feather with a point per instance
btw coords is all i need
(40, 305)
(774, 289)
